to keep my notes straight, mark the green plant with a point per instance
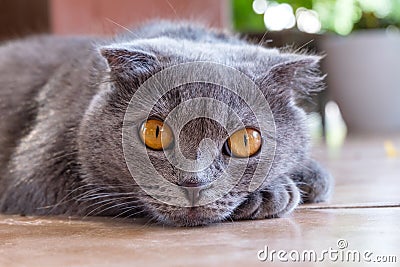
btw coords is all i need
(340, 16)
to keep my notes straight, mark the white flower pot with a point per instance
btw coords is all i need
(364, 79)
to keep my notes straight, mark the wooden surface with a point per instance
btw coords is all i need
(364, 212)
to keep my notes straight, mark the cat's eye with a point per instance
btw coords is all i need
(155, 134)
(244, 143)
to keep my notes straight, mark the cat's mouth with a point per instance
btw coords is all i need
(194, 213)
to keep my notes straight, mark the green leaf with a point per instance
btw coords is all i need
(244, 18)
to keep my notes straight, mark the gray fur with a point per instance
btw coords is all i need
(62, 104)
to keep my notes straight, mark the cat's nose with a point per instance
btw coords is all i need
(193, 184)
(193, 190)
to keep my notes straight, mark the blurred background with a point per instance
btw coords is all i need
(360, 38)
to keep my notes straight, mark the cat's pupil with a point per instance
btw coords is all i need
(245, 140)
(157, 131)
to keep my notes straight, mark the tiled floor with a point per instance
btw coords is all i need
(362, 220)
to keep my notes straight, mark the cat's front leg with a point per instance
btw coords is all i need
(308, 183)
(281, 196)
(314, 182)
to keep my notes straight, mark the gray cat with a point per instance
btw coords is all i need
(62, 107)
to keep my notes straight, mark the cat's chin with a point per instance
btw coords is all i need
(188, 217)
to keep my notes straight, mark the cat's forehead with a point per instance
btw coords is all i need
(206, 100)
(183, 50)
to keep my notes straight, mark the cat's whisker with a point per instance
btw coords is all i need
(103, 195)
(262, 41)
(105, 188)
(66, 200)
(304, 45)
(172, 8)
(111, 207)
(112, 200)
(122, 27)
(151, 220)
(230, 218)
(127, 211)
(108, 200)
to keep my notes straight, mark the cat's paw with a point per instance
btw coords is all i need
(314, 182)
(279, 198)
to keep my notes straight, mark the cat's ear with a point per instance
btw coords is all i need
(129, 63)
(296, 75)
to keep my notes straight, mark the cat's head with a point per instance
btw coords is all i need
(112, 162)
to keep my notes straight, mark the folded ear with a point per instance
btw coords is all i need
(129, 64)
(296, 75)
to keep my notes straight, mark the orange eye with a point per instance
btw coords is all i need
(244, 143)
(156, 134)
